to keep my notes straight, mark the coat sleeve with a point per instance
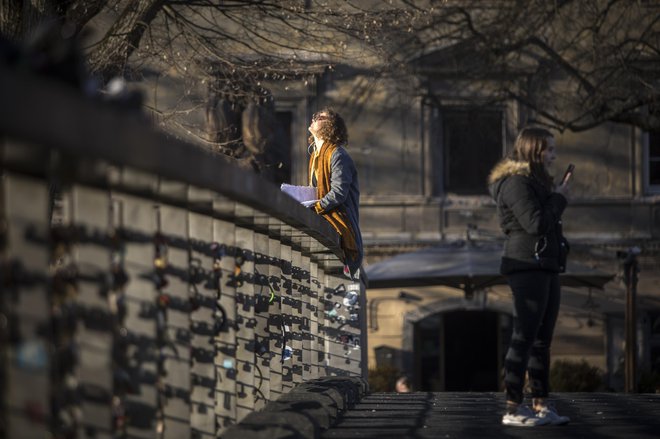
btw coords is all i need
(341, 177)
(535, 216)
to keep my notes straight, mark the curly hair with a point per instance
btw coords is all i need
(333, 128)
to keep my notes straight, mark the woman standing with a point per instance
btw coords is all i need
(333, 173)
(530, 207)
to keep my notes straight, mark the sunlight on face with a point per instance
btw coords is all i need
(316, 122)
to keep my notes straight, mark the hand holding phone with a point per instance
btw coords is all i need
(568, 174)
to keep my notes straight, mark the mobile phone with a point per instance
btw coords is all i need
(568, 173)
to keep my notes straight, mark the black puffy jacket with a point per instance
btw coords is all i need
(530, 217)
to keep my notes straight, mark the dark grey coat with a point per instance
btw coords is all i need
(530, 217)
(345, 194)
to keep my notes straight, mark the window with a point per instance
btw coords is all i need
(472, 142)
(280, 154)
(653, 161)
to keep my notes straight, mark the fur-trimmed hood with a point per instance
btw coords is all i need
(506, 168)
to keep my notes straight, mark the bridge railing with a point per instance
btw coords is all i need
(149, 288)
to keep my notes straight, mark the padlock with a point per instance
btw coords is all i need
(119, 277)
(160, 252)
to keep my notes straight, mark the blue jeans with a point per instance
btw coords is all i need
(536, 296)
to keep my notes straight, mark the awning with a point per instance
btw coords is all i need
(465, 265)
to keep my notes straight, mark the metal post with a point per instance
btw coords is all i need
(630, 270)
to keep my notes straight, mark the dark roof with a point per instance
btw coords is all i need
(464, 265)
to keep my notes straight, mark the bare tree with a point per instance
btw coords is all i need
(233, 46)
(574, 63)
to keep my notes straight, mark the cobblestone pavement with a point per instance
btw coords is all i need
(478, 415)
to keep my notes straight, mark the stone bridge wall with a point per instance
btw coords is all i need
(149, 288)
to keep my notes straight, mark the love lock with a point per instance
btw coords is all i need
(195, 302)
(160, 251)
(163, 300)
(345, 338)
(350, 298)
(159, 279)
(161, 320)
(117, 305)
(287, 353)
(220, 319)
(217, 249)
(236, 279)
(239, 260)
(213, 281)
(119, 277)
(32, 355)
(272, 294)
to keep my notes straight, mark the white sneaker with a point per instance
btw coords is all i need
(554, 418)
(523, 417)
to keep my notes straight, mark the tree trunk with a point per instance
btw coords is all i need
(223, 124)
(33, 14)
(111, 55)
(80, 12)
(10, 19)
(20, 17)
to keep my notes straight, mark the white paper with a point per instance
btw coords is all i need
(309, 203)
(299, 193)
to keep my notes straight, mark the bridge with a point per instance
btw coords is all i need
(152, 289)
(447, 415)
(477, 415)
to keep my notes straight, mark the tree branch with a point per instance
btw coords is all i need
(109, 58)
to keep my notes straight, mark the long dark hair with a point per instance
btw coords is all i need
(529, 147)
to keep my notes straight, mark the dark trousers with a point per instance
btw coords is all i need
(536, 297)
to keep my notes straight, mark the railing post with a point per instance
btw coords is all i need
(262, 360)
(174, 321)
(296, 316)
(224, 235)
(97, 302)
(275, 287)
(139, 355)
(306, 314)
(341, 327)
(286, 311)
(316, 315)
(26, 306)
(245, 317)
(203, 319)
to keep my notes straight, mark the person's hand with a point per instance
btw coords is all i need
(564, 189)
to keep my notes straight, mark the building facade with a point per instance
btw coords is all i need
(424, 145)
(423, 157)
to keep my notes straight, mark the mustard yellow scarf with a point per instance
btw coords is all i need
(321, 167)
